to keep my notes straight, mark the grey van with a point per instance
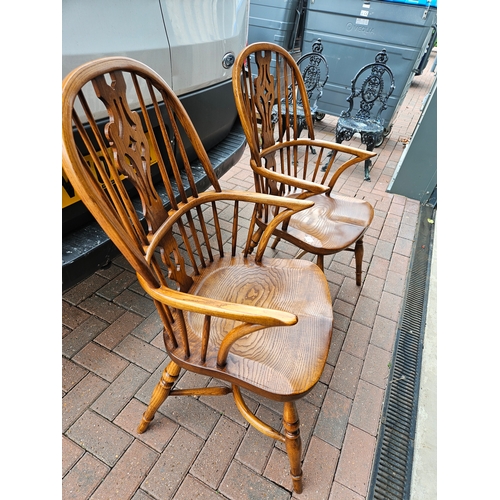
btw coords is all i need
(192, 44)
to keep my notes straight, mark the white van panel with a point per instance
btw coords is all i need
(200, 33)
(98, 28)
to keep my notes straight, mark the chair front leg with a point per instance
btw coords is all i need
(293, 443)
(369, 140)
(160, 394)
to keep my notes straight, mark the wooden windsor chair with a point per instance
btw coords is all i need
(264, 74)
(241, 319)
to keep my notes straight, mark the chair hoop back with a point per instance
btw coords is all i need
(315, 73)
(373, 83)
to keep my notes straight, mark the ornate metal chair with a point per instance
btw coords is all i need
(240, 319)
(314, 69)
(281, 161)
(370, 90)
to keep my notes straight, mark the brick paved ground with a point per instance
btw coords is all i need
(113, 355)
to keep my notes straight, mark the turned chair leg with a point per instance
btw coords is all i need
(293, 443)
(358, 256)
(160, 393)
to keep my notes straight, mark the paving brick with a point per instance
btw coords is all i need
(393, 220)
(333, 279)
(378, 267)
(65, 331)
(397, 206)
(343, 308)
(117, 285)
(241, 483)
(376, 368)
(395, 284)
(82, 335)
(135, 303)
(191, 489)
(326, 376)
(100, 437)
(118, 330)
(357, 339)
(399, 264)
(356, 460)
(389, 234)
(109, 272)
(149, 328)
(342, 269)
(318, 469)
(340, 322)
(333, 418)
(83, 478)
(384, 249)
(373, 287)
(159, 431)
(367, 406)
(84, 289)
(349, 291)
(191, 380)
(346, 375)
(410, 219)
(191, 414)
(71, 453)
(215, 457)
(141, 353)
(80, 398)
(340, 492)
(100, 361)
(407, 231)
(366, 311)
(127, 474)
(390, 306)
(403, 246)
(141, 495)
(72, 316)
(101, 308)
(172, 466)
(256, 448)
(384, 333)
(119, 393)
(71, 374)
(317, 395)
(336, 344)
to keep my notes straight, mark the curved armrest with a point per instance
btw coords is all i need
(219, 308)
(359, 155)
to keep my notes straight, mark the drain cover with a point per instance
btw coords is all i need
(391, 475)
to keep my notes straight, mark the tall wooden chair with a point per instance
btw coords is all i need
(244, 320)
(282, 164)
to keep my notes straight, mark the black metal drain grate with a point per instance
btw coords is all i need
(391, 475)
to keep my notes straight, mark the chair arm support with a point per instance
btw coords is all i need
(309, 186)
